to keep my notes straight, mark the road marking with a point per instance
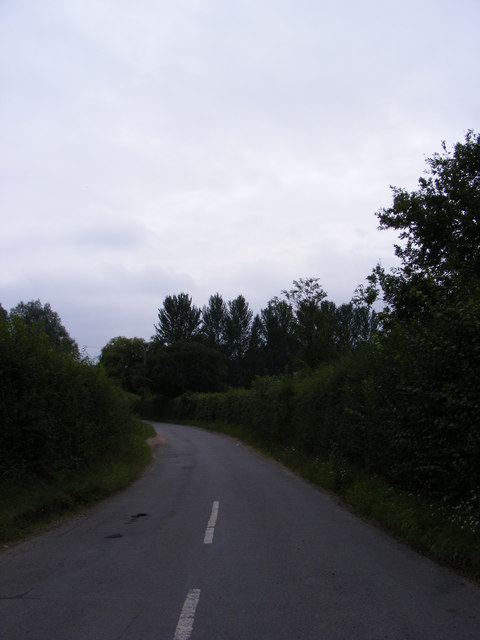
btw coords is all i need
(187, 617)
(208, 539)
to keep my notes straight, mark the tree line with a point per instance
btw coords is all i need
(225, 345)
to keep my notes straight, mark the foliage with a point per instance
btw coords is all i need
(315, 322)
(305, 293)
(124, 360)
(178, 320)
(213, 321)
(57, 413)
(355, 325)
(440, 232)
(27, 506)
(429, 352)
(278, 332)
(371, 410)
(238, 326)
(312, 411)
(42, 319)
(429, 405)
(185, 366)
(304, 330)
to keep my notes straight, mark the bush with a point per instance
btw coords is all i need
(57, 413)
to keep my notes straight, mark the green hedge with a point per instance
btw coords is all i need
(406, 410)
(57, 413)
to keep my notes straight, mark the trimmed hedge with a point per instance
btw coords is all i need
(397, 410)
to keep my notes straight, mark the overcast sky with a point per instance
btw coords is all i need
(153, 147)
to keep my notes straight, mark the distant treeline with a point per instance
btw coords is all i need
(224, 345)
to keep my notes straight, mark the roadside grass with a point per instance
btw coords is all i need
(447, 535)
(28, 508)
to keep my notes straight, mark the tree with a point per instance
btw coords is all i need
(43, 319)
(237, 328)
(429, 356)
(124, 360)
(59, 415)
(439, 227)
(185, 366)
(278, 333)
(305, 293)
(323, 347)
(315, 321)
(355, 325)
(254, 361)
(178, 320)
(213, 321)
(238, 324)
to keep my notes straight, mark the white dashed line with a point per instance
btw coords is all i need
(208, 539)
(187, 617)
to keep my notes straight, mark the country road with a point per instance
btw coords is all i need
(214, 542)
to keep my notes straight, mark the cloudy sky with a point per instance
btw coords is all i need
(151, 147)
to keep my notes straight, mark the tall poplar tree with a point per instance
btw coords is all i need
(178, 320)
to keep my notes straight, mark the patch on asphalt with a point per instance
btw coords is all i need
(135, 517)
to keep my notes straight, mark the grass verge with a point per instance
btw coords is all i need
(449, 536)
(28, 508)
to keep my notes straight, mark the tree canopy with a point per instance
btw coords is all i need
(213, 321)
(43, 319)
(124, 359)
(59, 414)
(178, 319)
(238, 324)
(439, 232)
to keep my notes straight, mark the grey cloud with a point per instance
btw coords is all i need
(116, 236)
(151, 148)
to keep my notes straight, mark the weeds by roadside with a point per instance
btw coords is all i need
(27, 508)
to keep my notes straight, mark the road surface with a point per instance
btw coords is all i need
(214, 542)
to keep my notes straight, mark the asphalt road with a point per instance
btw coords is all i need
(215, 542)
